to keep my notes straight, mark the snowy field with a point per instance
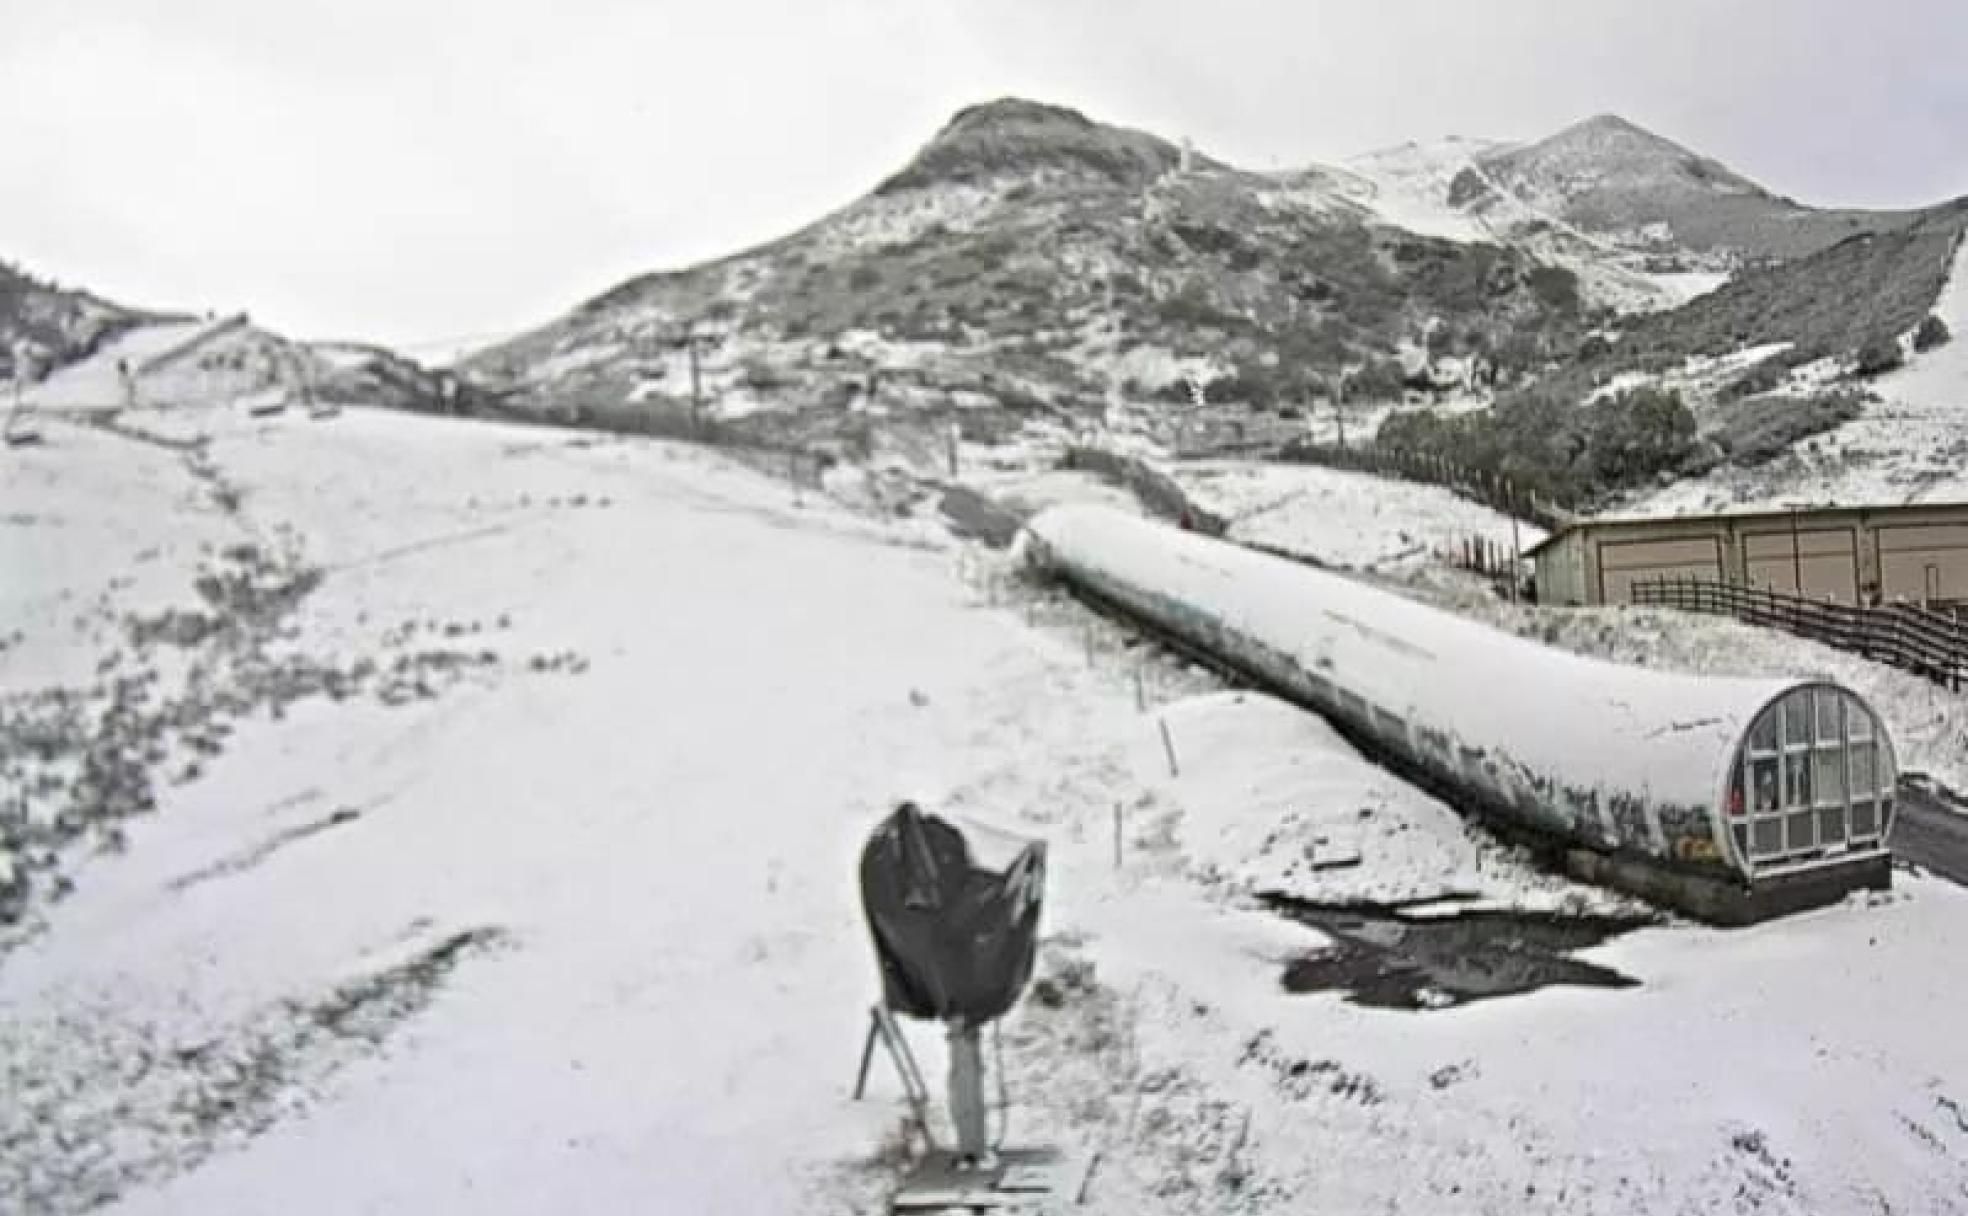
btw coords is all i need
(508, 787)
(1342, 518)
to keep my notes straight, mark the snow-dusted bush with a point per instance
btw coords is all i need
(1879, 356)
(1759, 429)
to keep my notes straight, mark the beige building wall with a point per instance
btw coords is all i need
(1924, 561)
(1820, 563)
(1910, 553)
(1623, 563)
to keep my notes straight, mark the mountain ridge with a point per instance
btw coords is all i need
(1028, 251)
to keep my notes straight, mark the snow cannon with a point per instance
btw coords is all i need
(954, 914)
(1732, 799)
(955, 936)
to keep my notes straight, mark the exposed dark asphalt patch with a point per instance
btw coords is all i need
(1391, 959)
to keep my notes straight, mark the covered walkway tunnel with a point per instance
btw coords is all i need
(1730, 798)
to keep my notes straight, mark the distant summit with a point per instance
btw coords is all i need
(1013, 136)
(1609, 178)
(1607, 153)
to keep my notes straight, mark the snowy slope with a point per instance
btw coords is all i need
(1911, 445)
(1421, 186)
(1341, 518)
(1408, 185)
(573, 929)
(93, 383)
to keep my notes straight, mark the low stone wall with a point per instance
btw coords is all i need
(978, 515)
(1160, 493)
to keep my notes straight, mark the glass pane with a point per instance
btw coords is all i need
(1858, 719)
(1736, 790)
(1769, 837)
(1831, 825)
(1829, 727)
(1797, 718)
(1860, 755)
(1829, 776)
(1797, 779)
(1763, 732)
(1742, 838)
(1863, 822)
(1763, 783)
(1885, 814)
(1800, 831)
(1884, 763)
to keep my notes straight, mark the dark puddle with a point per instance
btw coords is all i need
(1394, 958)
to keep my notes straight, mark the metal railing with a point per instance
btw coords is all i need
(1905, 635)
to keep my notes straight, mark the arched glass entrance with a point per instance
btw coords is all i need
(1814, 778)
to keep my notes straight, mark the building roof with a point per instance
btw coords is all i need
(1751, 514)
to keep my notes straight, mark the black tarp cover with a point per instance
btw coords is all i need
(954, 939)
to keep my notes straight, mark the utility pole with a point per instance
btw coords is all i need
(1339, 407)
(696, 381)
(1516, 556)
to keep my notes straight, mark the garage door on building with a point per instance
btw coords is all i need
(1923, 561)
(1623, 563)
(1821, 562)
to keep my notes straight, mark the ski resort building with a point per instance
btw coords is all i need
(1848, 555)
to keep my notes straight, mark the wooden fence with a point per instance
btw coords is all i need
(1492, 490)
(1906, 635)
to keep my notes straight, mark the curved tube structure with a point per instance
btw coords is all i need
(1737, 779)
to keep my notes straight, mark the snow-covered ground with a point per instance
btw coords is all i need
(1342, 518)
(1909, 446)
(1408, 185)
(571, 925)
(1697, 379)
(93, 383)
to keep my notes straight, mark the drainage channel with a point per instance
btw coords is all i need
(1402, 957)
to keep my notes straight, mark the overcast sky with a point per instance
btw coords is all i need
(415, 172)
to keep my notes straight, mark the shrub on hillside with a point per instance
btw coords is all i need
(1379, 380)
(1879, 356)
(1760, 429)
(1191, 306)
(1932, 332)
(1760, 378)
(1542, 442)
(1556, 287)
(1635, 436)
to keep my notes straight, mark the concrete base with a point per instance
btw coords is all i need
(1022, 1180)
(1719, 902)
